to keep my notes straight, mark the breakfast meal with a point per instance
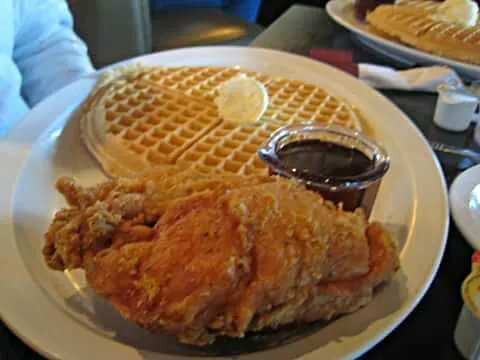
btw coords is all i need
(170, 115)
(194, 234)
(200, 256)
(448, 28)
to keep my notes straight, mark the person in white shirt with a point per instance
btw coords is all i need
(39, 54)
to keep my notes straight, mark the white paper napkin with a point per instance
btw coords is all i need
(426, 79)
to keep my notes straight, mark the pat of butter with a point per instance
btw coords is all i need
(460, 12)
(242, 100)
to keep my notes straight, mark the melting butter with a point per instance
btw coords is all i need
(461, 12)
(242, 100)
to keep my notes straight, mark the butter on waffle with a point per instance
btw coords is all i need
(417, 27)
(163, 116)
(290, 100)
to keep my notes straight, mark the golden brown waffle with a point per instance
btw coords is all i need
(416, 27)
(424, 5)
(290, 100)
(143, 126)
(230, 149)
(161, 116)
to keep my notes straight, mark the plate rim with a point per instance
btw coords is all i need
(423, 56)
(426, 282)
(460, 190)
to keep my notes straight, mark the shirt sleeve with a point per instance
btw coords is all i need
(47, 51)
(246, 9)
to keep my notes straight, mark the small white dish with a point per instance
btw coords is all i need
(465, 205)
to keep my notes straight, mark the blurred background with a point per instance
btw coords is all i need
(115, 30)
(272, 9)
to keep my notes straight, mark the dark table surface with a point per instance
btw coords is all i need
(428, 331)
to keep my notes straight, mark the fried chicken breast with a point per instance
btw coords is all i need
(210, 256)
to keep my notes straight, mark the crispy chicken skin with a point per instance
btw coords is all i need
(209, 256)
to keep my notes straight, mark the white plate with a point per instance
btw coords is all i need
(342, 12)
(56, 313)
(465, 204)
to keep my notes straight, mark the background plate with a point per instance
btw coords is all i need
(465, 204)
(342, 12)
(56, 313)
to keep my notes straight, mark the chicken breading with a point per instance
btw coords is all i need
(210, 256)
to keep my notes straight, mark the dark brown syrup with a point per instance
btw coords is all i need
(323, 165)
(312, 159)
